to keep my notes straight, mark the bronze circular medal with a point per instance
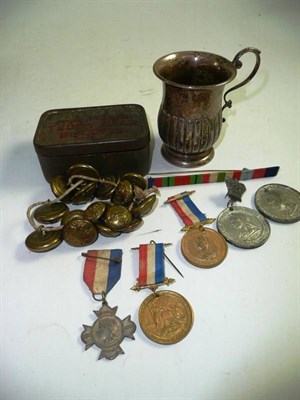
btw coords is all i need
(79, 233)
(166, 317)
(204, 248)
(50, 212)
(40, 242)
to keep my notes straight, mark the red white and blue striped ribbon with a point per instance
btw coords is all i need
(151, 264)
(101, 272)
(186, 209)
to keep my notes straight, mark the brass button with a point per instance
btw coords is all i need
(50, 213)
(117, 217)
(145, 206)
(40, 242)
(95, 211)
(79, 233)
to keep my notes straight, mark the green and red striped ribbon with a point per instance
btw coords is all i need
(212, 177)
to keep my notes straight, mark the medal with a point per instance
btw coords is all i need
(102, 270)
(165, 316)
(200, 246)
(241, 226)
(205, 250)
(279, 203)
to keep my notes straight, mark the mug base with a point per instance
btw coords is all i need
(187, 160)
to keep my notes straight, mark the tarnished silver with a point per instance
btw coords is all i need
(235, 189)
(108, 332)
(243, 227)
(279, 203)
(190, 116)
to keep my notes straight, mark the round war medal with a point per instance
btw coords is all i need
(243, 227)
(166, 317)
(279, 203)
(204, 248)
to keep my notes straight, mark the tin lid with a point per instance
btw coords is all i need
(92, 130)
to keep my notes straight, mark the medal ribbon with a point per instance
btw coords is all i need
(151, 264)
(212, 177)
(101, 272)
(186, 209)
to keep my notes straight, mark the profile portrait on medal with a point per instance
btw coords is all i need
(107, 331)
(207, 248)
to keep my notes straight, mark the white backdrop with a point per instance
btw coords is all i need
(245, 340)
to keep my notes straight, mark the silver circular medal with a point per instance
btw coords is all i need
(243, 227)
(279, 203)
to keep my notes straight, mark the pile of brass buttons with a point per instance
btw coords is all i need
(118, 205)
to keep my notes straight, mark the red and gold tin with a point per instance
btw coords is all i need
(113, 139)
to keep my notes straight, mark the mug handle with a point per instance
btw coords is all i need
(238, 64)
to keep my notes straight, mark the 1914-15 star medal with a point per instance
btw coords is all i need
(102, 270)
(108, 332)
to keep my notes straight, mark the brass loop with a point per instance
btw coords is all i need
(201, 228)
(102, 298)
(41, 229)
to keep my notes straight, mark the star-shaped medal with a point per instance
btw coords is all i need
(107, 332)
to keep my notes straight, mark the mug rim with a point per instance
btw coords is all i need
(194, 53)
